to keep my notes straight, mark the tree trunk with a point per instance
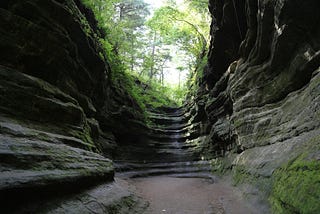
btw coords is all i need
(153, 55)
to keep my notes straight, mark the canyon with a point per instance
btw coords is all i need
(67, 132)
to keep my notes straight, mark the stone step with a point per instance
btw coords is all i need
(144, 155)
(168, 131)
(125, 166)
(155, 172)
(169, 111)
(178, 153)
(181, 137)
(170, 145)
(187, 169)
(172, 127)
(168, 138)
(178, 114)
(159, 156)
(162, 120)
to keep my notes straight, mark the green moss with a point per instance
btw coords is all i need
(296, 187)
(101, 56)
(85, 136)
(124, 204)
(242, 176)
(220, 165)
(73, 9)
(238, 123)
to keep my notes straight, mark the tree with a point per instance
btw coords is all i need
(200, 5)
(183, 29)
(155, 58)
(148, 47)
(123, 22)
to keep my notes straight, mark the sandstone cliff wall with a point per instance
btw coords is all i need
(59, 112)
(258, 102)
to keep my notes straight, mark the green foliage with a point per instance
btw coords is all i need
(139, 53)
(200, 5)
(122, 21)
(184, 28)
(195, 77)
(123, 80)
(147, 94)
(297, 187)
(153, 94)
(122, 55)
(178, 93)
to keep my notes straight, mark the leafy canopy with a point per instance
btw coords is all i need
(142, 44)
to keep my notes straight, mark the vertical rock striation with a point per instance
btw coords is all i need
(256, 110)
(259, 97)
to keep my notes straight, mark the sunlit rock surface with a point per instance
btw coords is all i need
(62, 120)
(260, 93)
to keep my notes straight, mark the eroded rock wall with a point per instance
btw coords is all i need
(59, 111)
(260, 93)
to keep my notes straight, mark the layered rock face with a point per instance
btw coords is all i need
(165, 151)
(257, 108)
(58, 107)
(259, 99)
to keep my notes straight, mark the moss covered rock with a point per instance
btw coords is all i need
(296, 187)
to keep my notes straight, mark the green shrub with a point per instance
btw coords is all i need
(154, 95)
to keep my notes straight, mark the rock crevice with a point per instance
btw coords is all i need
(260, 93)
(256, 110)
(58, 108)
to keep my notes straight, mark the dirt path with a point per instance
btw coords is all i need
(190, 196)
